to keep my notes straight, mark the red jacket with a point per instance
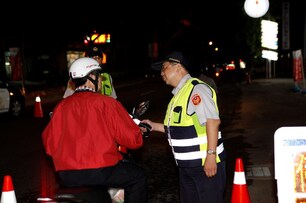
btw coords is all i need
(85, 130)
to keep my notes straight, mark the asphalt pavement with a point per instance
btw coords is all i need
(251, 121)
(250, 115)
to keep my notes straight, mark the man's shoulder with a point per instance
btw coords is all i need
(208, 80)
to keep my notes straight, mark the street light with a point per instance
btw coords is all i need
(256, 8)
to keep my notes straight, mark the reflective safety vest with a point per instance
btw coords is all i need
(106, 87)
(187, 138)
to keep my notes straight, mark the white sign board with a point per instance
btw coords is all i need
(269, 34)
(290, 164)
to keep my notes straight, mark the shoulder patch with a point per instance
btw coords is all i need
(196, 99)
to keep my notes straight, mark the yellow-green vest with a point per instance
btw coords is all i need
(186, 136)
(106, 85)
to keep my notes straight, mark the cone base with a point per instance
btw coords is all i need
(8, 197)
(240, 194)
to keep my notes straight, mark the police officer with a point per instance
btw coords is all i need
(107, 87)
(192, 124)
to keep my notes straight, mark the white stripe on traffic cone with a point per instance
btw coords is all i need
(239, 178)
(8, 193)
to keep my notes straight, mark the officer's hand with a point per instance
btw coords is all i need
(145, 129)
(210, 166)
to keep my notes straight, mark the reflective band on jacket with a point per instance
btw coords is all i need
(195, 155)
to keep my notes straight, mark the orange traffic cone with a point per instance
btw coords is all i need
(240, 193)
(8, 193)
(38, 112)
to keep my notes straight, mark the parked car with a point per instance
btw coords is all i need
(12, 101)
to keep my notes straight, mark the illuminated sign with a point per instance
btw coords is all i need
(271, 55)
(269, 39)
(98, 38)
(269, 32)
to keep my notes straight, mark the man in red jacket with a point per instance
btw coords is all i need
(83, 135)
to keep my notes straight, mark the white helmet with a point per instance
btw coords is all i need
(82, 67)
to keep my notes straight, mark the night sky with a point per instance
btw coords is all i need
(213, 16)
(219, 20)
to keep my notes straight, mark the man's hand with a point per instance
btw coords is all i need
(210, 166)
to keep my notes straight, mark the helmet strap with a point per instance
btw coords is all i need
(94, 81)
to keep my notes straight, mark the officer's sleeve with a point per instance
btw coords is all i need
(201, 102)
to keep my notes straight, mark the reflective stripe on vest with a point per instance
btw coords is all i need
(195, 155)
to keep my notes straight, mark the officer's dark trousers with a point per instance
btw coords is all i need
(125, 175)
(196, 187)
